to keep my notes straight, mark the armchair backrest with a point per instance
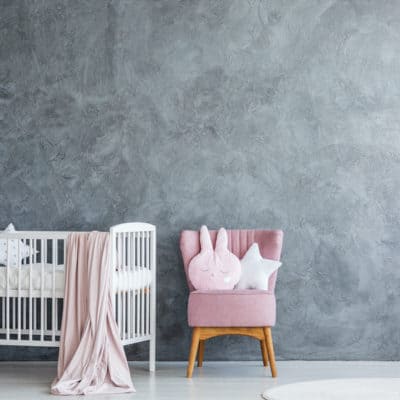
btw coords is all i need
(239, 241)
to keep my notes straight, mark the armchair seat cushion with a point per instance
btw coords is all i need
(231, 308)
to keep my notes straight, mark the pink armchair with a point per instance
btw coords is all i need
(232, 312)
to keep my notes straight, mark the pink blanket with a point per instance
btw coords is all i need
(91, 358)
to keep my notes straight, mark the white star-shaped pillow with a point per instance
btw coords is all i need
(256, 270)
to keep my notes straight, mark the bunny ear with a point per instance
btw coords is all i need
(222, 240)
(205, 240)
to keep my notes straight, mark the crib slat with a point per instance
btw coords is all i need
(147, 284)
(128, 293)
(3, 313)
(44, 328)
(8, 291)
(123, 292)
(13, 312)
(43, 256)
(119, 312)
(56, 316)
(153, 305)
(138, 298)
(137, 291)
(133, 285)
(134, 250)
(24, 314)
(34, 325)
(64, 267)
(30, 288)
(141, 285)
(34, 314)
(53, 314)
(124, 249)
(19, 290)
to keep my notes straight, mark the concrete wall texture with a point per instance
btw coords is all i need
(258, 114)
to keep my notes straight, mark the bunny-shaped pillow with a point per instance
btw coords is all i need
(214, 269)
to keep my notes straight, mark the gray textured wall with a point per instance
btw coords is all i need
(270, 114)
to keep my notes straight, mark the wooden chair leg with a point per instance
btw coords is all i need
(270, 350)
(264, 352)
(200, 355)
(193, 351)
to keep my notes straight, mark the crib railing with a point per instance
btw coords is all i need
(133, 252)
(31, 293)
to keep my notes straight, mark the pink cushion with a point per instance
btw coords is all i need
(240, 308)
(239, 241)
(214, 269)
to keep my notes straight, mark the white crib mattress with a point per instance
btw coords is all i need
(122, 280)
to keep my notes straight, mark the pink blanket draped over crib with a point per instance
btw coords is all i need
(91, 357)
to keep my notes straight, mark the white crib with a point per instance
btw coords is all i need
(32, 290)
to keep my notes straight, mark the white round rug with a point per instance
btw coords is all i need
(338, 389)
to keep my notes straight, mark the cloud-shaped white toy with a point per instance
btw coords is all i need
(256, 270)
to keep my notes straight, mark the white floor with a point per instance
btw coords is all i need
(215, 380)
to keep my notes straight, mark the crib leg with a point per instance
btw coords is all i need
(152, 355)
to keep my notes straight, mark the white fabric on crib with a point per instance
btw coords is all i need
(131, 280)
(122, 280)
(36, 280)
